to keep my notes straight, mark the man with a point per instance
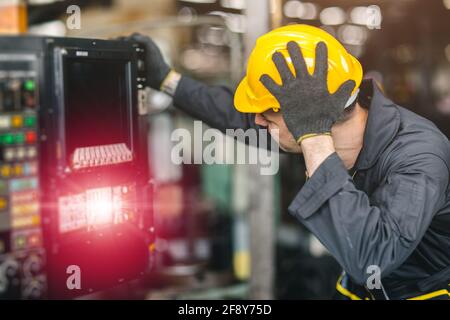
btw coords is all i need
(377, 193)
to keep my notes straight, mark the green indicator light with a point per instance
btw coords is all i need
(30, 121)
(30, 85)
(19, 138)
(8, 139)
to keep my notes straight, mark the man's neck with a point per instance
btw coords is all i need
(348, 136)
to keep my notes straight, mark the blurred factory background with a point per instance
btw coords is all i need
(223, 231)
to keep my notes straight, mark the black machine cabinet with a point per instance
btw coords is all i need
(75, 197)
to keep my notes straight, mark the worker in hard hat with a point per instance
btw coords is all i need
(377, 194)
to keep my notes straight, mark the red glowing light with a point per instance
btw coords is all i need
(99, 206)
(30, 137)
(95, 208)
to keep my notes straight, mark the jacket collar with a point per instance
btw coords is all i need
(383, 123)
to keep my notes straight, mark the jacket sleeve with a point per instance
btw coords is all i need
(382, 230)
(214, 105)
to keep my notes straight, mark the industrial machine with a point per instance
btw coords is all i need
(75, 191)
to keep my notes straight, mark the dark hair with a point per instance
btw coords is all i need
(365, 94)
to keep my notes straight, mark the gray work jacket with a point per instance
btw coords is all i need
(392, 212)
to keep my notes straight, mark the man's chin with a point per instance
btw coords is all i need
(289, 147)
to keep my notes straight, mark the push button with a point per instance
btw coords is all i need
(8, 154)
(20, 153)
(30, 169)
(31, 152)
(29, 85)
(3, 203)
(30, 121)
(20, 242)
(19, 138)
(7, 139)
(29, 94)
(30, 137)
(18, 170)
(5, 122)
(5, 171)
(17, 121)
(17, 185)
(34, 240)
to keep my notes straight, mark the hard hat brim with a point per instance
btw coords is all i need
(243, 103)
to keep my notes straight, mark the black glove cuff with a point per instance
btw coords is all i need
(155, 80)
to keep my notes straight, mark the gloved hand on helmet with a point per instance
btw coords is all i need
(307, 106)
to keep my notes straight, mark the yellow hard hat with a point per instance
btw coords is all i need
(252, 97)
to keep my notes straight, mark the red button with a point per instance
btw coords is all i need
(30, 137)
(34, 240)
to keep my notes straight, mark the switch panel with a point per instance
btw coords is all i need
(21, 246)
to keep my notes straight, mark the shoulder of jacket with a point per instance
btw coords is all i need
(417, 137)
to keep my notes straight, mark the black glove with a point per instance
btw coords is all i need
(157, 68)
(305, 102)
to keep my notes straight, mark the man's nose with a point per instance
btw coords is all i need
(260, 121)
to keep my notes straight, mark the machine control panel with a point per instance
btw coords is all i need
(21, 247)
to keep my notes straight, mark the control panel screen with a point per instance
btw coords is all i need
(97, 112)
(97, 208)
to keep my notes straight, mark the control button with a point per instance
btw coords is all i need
(28, 100)
(23, 184)
(23, 197)
(25, 221)
(5, 171)
(17, 121)
(29, 121)
(5, 122)
(36, 218)
(18, 170)
(25, 209)
(7, 138)
(30, 169)
(19, 138)
(9, 154)
(31, 152)
(20, 242)
(34, 240)
(20, 153)
(30, 137)
(3, 203)
(29, 85)
(32, 266)
(28, 94)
